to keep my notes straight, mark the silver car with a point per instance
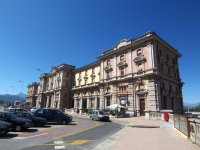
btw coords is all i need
(99, 115)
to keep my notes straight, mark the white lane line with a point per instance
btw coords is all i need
(58, 142)
(20, 138)
(60, 147)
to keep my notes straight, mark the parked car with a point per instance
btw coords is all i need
(15, 109)
(34, 109)
(19, 124)
(37, 121)
(5, 127)
(53, 115)
(99, 115)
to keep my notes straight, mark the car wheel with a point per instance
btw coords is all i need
(18, 128)
(64, 122)
(92, 118)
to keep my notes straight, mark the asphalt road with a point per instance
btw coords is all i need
(85, 135)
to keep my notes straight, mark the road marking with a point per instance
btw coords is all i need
(96, 124)
(60, 147)
(18, 138)
(80, 142)
(58, 142)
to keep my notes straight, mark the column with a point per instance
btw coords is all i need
(114, 95)
(101, 98)
(153, 96)
(47, 104)
(137, 105)
(114, 65)
(95, 102)
(130, 97)
(80, 105)
(129, 63)
(75, 103)
(88, 103)
(102, 71)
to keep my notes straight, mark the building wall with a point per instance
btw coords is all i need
(143, 79)
(55, 87)
(141, 74)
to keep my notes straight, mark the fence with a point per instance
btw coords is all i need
(181, 123)
(195, 130)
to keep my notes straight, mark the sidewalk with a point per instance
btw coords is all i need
(154, 135)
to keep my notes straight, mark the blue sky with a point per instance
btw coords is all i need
(44, 33)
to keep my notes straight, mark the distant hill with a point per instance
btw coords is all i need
(191, 104)
(10, 98)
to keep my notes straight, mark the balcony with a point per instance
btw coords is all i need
(122, 64)
(79, 79)
(86, 77)
(139, 59)
(108, 68)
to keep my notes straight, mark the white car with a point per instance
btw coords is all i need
(99, 115)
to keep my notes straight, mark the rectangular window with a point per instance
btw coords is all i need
(108, 75)
(139, 52)
(93, 80)
(140, 67)
(59, 82)
(108, 62)
(122, 89)
(122, 72)
(122, 58)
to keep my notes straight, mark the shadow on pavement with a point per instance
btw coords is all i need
(30, 130)
(46, 126)
(8, 136)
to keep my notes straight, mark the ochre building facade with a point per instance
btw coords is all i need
(142, 74)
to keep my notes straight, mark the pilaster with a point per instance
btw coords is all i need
(130, 97)
(102, 102)
(114, 95)
(153, 95)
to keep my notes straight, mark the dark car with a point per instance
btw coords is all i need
(18, 123)
(53, 115)
(37, 121)
(15, 109)
(5, 127)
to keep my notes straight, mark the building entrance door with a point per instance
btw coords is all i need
(107, 101)
(142, 107)
(84, 105)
